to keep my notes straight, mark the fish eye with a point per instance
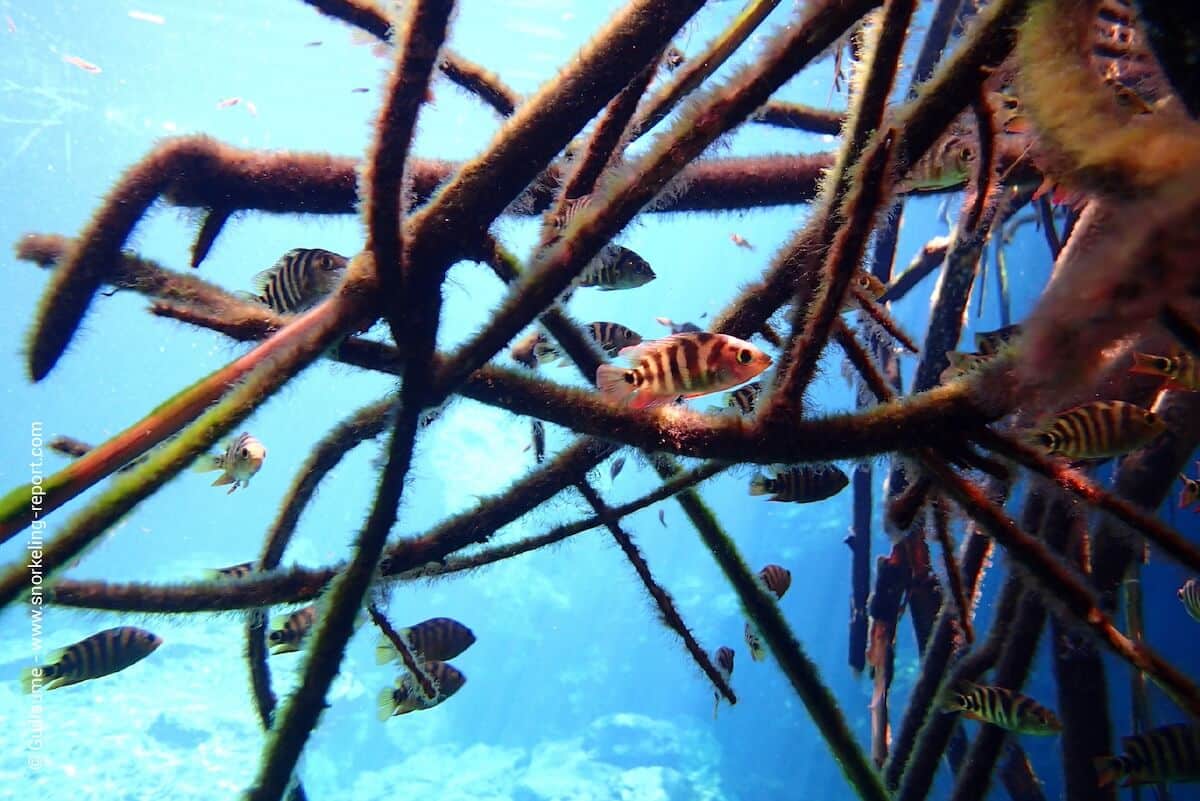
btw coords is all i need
(276, 636)
(245, 453)
(966, 154)
(744, 356)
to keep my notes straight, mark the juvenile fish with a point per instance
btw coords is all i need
(662, 517)
(723, 660)
(1004, 708)
(615, 470)
(438, 638)
(741, 241)
(616, 267)
(754, 642)
(674, 58)
(407, 696)
(1182, 370)
(688, 365)
(949, 163)
(233, 571)
(777, 579)
(613, 337)
(238, 463)
(1189, 594)
(106, 652)
(868, 285)
(538, 436)
(963, 364)
(1190, 492)
(1097, 430)
(744, 399)
(803, 484)
(300, 279)
(288, 631)
(1166, 754)
(992, 342)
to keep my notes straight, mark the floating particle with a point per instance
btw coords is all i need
(145, 16)
(86, 66)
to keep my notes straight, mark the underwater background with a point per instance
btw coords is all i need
(575, 689)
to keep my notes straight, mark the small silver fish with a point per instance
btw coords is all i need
(539, 441)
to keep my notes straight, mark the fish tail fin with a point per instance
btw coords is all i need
(758, 485)
(757, 652)
(384, 651)
(385, 704)
(611, 382)
(27, 679)
(1108, 769)
(207, 463)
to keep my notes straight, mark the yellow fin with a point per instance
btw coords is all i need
(384, 651)
(384, 704)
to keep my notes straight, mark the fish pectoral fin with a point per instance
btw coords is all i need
(385, 705)
(222, 480)
(384, 651)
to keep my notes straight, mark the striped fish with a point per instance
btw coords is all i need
(776, 578)
(1189, 594)
(408, 696)
(300, 279)
(1182, 370)
(105, 652)
(744, 399)
(1004, 708)
(754, 642)
(238, 463)
(1097, 430)
(1166, 754)
(233, 571)
(616, 267)
(803, 484)
(288, 631)
(613, 337)
(688, 365)
(961, 364)
(723, 660)
(1190, 492)
(945, 165)
(992, 342)
(437, 638)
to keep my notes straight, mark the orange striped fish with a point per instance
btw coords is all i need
(776, 578)
(687, 365)
(1098, 430)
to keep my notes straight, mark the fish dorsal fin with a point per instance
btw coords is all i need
(261, 280)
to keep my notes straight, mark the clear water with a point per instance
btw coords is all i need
(575, 691)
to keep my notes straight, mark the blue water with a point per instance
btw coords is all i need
(574, 691)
